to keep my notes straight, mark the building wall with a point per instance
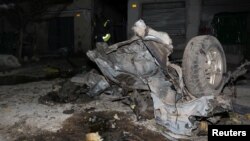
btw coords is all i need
(197, 10)
(81, 11)
(198, 14)
(82, 24)
(192, 7)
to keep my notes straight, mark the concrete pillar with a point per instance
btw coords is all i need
(193, 17)
(82, 31)
(82, 25)
(133, 15)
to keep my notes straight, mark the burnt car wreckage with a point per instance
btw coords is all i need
(139, 68)
(141, 65)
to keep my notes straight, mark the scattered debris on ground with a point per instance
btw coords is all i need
(98, 125)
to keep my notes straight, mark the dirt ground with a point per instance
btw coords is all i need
(25, 118)
(109, 128)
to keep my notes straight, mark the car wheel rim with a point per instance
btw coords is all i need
(214, 67)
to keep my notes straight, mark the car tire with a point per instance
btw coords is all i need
(204, 66)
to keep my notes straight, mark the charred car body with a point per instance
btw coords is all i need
(181, 95)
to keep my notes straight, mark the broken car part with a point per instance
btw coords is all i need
(142, 64)
(95, 82)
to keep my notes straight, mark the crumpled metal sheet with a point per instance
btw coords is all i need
(129, 66)
(141, 64)
(178, 118)
(96, 83)
(134, 67)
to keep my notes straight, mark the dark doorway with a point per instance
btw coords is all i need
(61, 33)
